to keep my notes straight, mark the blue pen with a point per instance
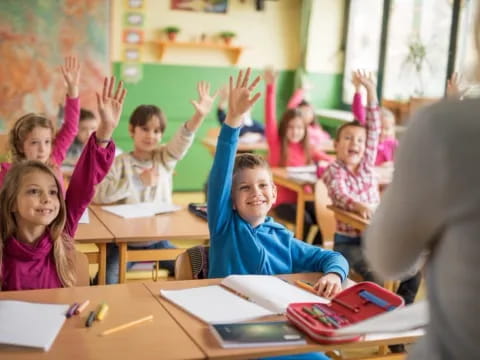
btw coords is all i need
(376, 300)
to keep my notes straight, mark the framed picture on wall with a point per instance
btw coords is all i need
(133, 19)
(133, 36)
(135, 4)
(210, 6)
(132, 54)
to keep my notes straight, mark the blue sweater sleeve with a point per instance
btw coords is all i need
(306, 257)
(219, 201)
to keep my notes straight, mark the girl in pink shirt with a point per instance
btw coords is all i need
(38, 223)
(33, 137)
(388, 143)
(289, 145)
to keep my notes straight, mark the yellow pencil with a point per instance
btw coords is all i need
(102, 311)
(305, 286)
(126, 325)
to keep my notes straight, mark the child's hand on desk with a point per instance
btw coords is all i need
(363, 210)
(239, 98)
(328, 285)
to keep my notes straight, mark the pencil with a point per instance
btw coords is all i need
(82, 307)
(126, 325)
(305, 286)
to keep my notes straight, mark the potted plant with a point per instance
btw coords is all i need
(172, 32)
(227, 36)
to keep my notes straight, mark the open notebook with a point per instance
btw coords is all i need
(130, 211)
(30, 324)
(255, 296)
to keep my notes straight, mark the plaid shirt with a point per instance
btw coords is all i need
(344, 187)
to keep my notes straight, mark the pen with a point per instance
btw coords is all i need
(355, 309)
(82, 307)
(305, 285)
(71, 310)
(369, 297)
(90, 319)
(102, 311)
(127, 325)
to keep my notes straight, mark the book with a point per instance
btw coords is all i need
(240, 298)
(131, 211)
(30, 324)
(256, 334)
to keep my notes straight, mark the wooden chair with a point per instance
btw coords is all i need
(325, 216)
(81, 268)
(192, 264)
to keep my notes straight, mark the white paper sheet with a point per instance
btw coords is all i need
(30, 324)
(130, 211)
(85, 219)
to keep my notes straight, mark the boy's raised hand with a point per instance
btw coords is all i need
(71, 74)
(109, 108)
(239, 98)
(355, 81)
(366, 79)
(328, 285)
(205, 101)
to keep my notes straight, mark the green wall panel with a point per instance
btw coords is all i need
(171, 87)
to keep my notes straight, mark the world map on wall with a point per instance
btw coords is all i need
(35, 36)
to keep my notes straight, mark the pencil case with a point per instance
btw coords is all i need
(359, 302)
(199, 209)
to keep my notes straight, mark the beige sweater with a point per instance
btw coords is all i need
(119, 184)
(433, 204)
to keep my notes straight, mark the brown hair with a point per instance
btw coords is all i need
(288, 116)
(63, 250)
(249, 161)
(86, 115)
(22, 127)
(143, 113)
(354, 123)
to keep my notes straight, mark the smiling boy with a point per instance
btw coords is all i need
(243, 239)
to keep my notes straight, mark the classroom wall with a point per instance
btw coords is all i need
(269, 37)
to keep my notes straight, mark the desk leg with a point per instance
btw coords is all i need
(102, 263)
(300, 215)
(122, 263)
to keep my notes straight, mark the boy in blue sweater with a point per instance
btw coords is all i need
(243, 239)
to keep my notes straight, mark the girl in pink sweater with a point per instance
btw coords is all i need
(38, 223)
(289, 145)
(33, 136)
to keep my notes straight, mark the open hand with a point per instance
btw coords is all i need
(356, 81)
(205, 101)
(365, 78)
(239, 98)
(71, 74)
(109, 107)
(328, 285)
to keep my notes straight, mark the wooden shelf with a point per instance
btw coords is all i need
(234, 51)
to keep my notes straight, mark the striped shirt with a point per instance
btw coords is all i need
(345, 187)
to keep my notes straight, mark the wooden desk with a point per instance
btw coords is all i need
(350, 218)
(179, 225)
(280, 177)
(211, 144)
(95, 232)
(161, 338)
(200, 333)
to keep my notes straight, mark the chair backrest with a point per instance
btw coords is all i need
(81, 268)
(325, 217)
(192, 264)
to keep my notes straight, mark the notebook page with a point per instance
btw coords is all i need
(403, 319)
(130, 211)
(214, 304)
(269, 291)
(85, 219)
(30, 324)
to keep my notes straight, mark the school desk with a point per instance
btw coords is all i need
(200, 333)
(161, 338)
(178, 225)
(261, 146)
(95, 232)
(280, 177)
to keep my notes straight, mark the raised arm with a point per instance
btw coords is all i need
(219, 201)
(271, 128)
(97, 156)
(65, 136)
(296, 98)
(358, 109)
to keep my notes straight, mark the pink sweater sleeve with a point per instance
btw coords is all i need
(296, 98)
(271, 129)
(358, 109)
(91, 168)
(67, 132)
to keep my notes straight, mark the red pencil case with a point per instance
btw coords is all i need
(357, 303)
